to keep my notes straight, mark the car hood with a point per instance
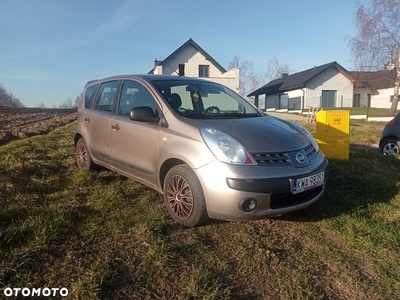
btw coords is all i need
(261, 134)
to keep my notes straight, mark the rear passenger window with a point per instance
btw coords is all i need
(106, 96)
(89, 95)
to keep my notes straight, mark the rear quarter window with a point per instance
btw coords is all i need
(89, 95)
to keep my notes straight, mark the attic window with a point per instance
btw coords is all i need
(204, 71)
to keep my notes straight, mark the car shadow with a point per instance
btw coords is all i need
(365, 179)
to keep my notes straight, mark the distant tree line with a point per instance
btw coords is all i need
(69, 103)
(8, 99)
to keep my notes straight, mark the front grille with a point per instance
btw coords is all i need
(289, 199)
(310, 151)
(271, 159)
(282, 159)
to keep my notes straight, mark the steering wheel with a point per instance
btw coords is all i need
(213, 109)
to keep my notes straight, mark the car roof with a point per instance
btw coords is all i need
(146, 77)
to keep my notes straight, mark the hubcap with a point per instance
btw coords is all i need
(390, 149)
(180, 197)
(81, 154)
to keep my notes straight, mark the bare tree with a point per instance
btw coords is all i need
(8, 99)
(275, 69)
(377, 43)
(41, 105)
(77, 100)
(248, 80)
(67, 104)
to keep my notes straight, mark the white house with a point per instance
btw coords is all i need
(375, 89)
(193, 61)
(328, 85)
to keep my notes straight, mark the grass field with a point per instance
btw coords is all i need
(103, 236)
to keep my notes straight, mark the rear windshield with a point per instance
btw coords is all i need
(201, 100)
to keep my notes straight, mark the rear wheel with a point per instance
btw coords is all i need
(391, 147)
(184, 197)
(83, 158)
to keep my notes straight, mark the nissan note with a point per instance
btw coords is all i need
(207, 150)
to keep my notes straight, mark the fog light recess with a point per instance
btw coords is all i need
(248, 204)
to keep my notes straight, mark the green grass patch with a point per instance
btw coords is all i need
(103, 236)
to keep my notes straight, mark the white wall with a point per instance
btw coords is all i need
(295, 99)
(329, 80)
(230, 79)
(364, 95)
(191, 58)
(381, 98)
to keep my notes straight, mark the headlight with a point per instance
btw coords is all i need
(307, 134)
(226, 148)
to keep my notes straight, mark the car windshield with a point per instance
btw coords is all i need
(203, 100)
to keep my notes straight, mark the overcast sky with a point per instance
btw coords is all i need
(51, 48)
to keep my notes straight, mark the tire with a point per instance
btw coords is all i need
(391, 147)
(83, 158)
(184, 197)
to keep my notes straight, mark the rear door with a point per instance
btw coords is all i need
(134, 145)
(96, 123)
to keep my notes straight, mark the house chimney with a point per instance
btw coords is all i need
(157, 62)
(284, 74)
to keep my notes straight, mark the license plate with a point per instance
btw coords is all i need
(309, 182)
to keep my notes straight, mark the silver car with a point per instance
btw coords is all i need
(210, 152)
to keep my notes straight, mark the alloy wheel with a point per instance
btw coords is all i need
(390, 148)
(180, 197)
(82, 156)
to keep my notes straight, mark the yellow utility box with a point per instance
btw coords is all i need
(333, 133)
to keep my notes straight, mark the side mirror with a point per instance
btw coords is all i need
(143, 114)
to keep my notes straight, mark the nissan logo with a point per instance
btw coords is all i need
(300, 158)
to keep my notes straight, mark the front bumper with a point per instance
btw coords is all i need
(226, 186)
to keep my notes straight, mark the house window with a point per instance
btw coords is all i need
(283, 101)
(181, 70)
(328, 98)
(356, 100)
(204, 71)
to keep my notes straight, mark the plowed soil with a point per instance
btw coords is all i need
(19, 123)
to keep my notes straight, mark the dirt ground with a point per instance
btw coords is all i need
(19, 123)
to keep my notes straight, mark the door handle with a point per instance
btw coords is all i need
(115, 127)
(87, 120)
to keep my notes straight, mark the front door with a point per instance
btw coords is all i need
(134, 145)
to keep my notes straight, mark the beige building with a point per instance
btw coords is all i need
(193, 61)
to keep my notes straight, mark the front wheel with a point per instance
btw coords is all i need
(184, 197)
(391, 147)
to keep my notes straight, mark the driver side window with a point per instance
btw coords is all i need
(133, 95)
